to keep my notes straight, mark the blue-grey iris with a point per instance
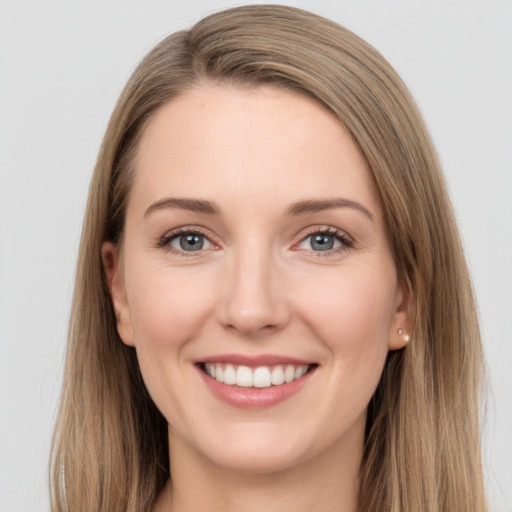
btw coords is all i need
(322, 242)
(191, 242)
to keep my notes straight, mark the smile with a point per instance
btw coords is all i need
(254, 382)
(259, 377)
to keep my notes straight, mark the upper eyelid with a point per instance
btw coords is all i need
(330, 230)
(188, 229)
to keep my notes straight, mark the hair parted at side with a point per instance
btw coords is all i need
(422, 451)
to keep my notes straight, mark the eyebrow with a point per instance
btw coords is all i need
(295, 209)
(192, 205)
(314, 206)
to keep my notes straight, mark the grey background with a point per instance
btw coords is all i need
(62, 66)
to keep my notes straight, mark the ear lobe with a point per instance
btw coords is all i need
(402, 321)
(112, 265)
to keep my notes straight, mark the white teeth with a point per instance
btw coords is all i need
(229, 375)
(260, 377)
(277, 375)
(289, 373)
(244, 377)
(210, 369)
(300, 371)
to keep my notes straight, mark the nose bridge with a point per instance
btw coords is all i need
(254, 298)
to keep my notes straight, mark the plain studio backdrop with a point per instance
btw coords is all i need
(62, 66)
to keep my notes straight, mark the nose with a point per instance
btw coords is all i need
(254, 300)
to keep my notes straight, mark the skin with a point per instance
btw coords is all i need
(258, 286)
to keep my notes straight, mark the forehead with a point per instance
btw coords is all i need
(265, 142)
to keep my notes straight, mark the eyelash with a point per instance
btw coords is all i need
(346, 242)
(165, 241)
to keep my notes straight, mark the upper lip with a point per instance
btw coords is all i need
(256, 360)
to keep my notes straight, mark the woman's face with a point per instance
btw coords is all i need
(255, 249)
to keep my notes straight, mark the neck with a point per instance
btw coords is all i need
(327, 482)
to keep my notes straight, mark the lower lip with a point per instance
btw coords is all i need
(254, 398)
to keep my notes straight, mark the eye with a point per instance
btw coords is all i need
(189, 242)
(325, 240)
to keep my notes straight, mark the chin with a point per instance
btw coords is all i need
(262, 461)
(258, 448)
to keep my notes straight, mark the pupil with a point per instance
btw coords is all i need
(191, 242)
(322, 242)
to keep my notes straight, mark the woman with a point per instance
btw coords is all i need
(272, 307)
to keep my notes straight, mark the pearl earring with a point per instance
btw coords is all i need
(405, 337)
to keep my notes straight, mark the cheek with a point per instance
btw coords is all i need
(357, 295)
(167, 306)
(351, 313)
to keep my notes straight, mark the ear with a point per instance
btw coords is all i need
(112, 264)
(402, 321)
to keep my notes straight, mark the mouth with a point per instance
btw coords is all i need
(254, 382)
(261, 377)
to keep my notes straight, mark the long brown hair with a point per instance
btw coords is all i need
(422, 443)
